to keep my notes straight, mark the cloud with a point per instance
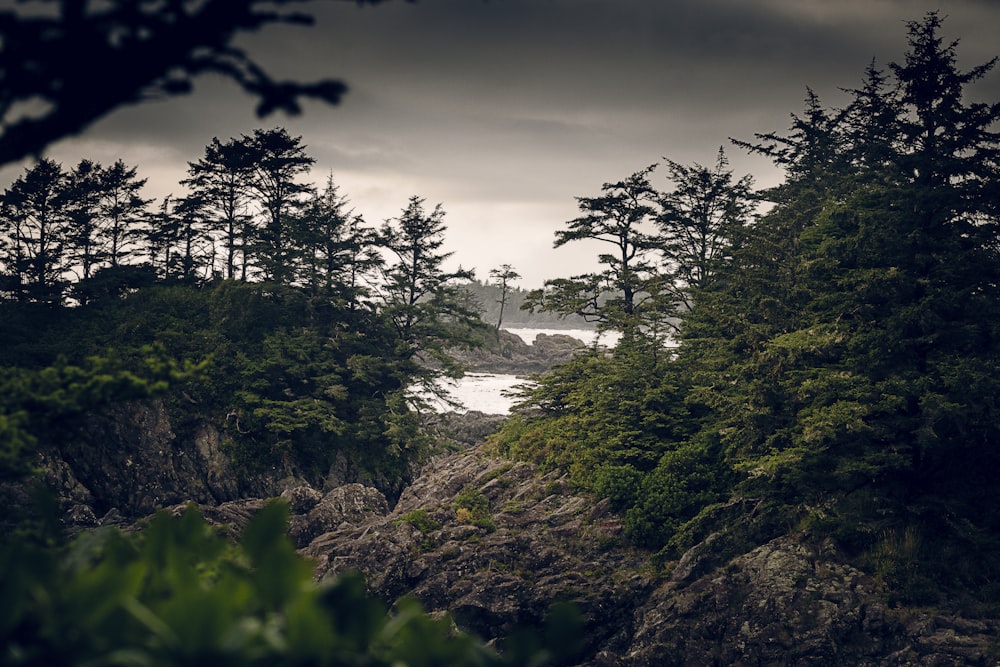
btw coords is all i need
(505, 110)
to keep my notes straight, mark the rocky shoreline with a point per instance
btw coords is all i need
(507, 353)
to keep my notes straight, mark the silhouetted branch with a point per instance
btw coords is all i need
(66, 64)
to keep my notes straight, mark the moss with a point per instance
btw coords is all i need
(421, 520)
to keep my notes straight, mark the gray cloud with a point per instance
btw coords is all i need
(504, 110)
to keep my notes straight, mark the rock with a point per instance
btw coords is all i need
(500, 569)
(345, 506)
(511, 355)
(459, 430)
(301, 499)
(787, 601)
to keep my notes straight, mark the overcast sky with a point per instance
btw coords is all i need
(503, 111)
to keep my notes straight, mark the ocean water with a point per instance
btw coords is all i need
(490, 392)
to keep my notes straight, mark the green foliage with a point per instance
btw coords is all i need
(421, 520)
(837, 371)
(598, 411)
(472, 507)
(685, 481)
(180, 593)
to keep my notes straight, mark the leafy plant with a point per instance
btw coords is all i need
(472, 507)
(180, 593)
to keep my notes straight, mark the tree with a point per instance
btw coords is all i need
(178, 234)
(613, 297)
(220, 180)
(36, 223)
(56, 60)
(338, 248)
(122, 211)
(699, 216)
(505, 276)
(417, 292)
(83, 247)
(276, 160)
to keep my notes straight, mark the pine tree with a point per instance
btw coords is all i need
(220, 180)
(276, 161)
(33, 213)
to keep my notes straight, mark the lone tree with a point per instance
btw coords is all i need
(504, 276)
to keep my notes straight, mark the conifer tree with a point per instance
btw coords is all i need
(418, 294)
(123, 212)
(35, 222)
(276, 161)
(338, 249)
(220, 180)
(505, 276)
(699, 216)
(83, 247)
(615, 296)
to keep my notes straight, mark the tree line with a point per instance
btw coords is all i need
(247, 214)
(837, 345)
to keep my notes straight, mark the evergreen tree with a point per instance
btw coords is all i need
(178, 234)
(615, 297)
(83, 247)
(419, 296)
(699, 217)
(35, 222)
(123, 212)
(276, 161)
(504, 276)
(220, 180)
(338, 248)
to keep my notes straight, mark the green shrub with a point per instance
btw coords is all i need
(421, 520)
(472, 507)
(180, 593)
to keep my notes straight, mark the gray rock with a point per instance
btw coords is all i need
(790, 601)
(509, 354)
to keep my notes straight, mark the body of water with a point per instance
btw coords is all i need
(488, 392)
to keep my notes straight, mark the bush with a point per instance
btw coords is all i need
(180, 593)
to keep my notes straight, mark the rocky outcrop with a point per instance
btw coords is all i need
(127, 462)
(496, 543)
(509, 354)
(459, 430)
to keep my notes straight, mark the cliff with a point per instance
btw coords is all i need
(496, 543)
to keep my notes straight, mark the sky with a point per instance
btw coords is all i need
(505, 111)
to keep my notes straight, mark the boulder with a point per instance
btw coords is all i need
(509, 354)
